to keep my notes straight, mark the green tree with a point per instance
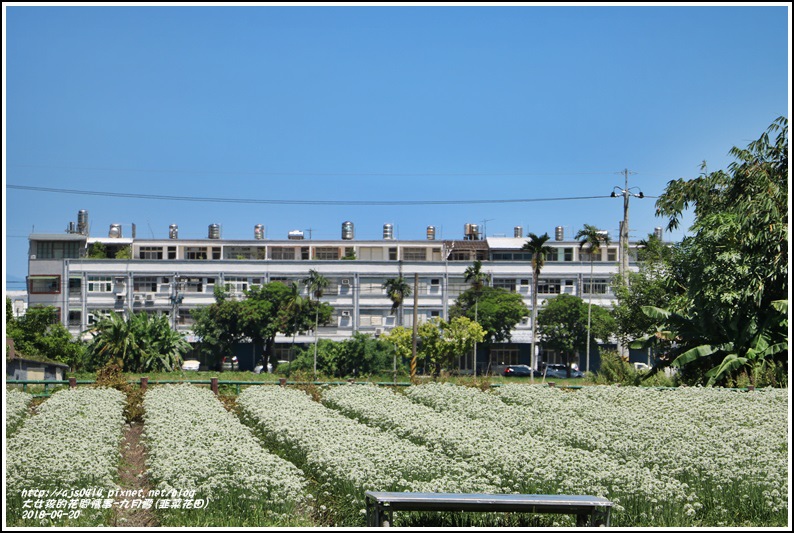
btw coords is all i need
(592, 238)
(656, 284)
(39, 334)
(397, 289)
(539, 249)
(295, 308)
(316, 284)
(143, 343)
(219, 326)
(97, 250)
(735, 265)
(402, 340)
(563, 325)
(478, 280)
(496, 310)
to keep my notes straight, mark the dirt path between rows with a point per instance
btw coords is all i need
(132, 476)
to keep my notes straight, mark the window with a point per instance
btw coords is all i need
(100, 284)
(435, 286)
(326, 253)
(57, 249)
(195, 253)
(150, 252)
(192, 284)
(414, 254)
(45, 284)
(392, 254)
(512, 256)
(612, 255)
(504, 355)
(75, 286)
(599, 286)
(508, 284)
(144, 284)
(236, 285)
(216, 253)
(243, 252)
(549, 286)
(282, 254)
(172, 252)
(568, 254)
(371, 318)
(75, 318)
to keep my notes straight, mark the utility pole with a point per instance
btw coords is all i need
(624, 237)
(624, 226)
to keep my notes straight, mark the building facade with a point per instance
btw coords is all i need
(173, 276)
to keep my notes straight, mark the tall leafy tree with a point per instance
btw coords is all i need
(316, 284)
(539, 249)
(590, 236)
(478, 279)
(38, 333)
(735, 265)
(656, 283)
(496, 310)
(397, 289)
(564, 324)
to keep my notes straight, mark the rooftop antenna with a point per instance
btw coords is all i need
(484, 233)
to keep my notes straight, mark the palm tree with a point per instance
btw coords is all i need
(316, 284)
(539, 249)
(593, 238)
(397, 290)
(295, 303)
(478, 279)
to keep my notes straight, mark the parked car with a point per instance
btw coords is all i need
(559, 371)
(519, 370)
(229, 363)
(641, 367)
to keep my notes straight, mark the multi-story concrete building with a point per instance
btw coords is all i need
(174, 276)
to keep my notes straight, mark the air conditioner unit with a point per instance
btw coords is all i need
(119, 297)
(378, 331)
(150, 297)
(345, 281)
(345, 313)
(137, 298)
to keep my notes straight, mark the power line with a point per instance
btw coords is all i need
(294, 202)
(309, 174)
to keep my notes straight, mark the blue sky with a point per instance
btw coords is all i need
(374, 104)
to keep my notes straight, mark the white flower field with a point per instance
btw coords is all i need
(665, 458)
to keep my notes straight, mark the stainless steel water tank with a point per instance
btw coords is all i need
(259, 232)
(431, 233)
(388, 232)
(347, 231)
(559, 233)
(82, 222)
(173, 231)
(214, 231)
(115, 231)
(518, 232)
(658, 233)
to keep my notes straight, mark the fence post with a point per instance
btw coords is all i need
(551, 383)
(144, 384)
(750, 388)
(282, 382)
(214, 385)
(72, 383)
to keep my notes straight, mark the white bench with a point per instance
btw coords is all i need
(589, 510)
